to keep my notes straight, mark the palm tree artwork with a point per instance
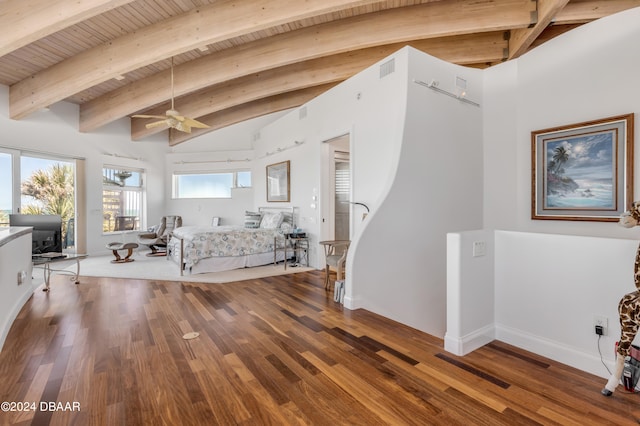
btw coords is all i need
(579, 172)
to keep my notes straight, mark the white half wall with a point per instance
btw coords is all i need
(539, 292)
(470, 291)
(550, 287)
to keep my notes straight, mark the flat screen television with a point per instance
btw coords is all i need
(47, 231)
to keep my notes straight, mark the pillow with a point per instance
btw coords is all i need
(252, 219)
(286, 227)
(287, 218)
(271, 220)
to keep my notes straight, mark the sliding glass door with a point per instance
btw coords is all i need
(34, 183)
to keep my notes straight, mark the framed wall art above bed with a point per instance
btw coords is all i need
(278, 182)
(583, 171)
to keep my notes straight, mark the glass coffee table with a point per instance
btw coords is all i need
(46, 260)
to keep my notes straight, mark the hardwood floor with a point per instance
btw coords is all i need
(270, 351)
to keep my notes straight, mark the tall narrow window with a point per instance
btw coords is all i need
(122, 193)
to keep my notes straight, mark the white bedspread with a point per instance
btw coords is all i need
(222, 241)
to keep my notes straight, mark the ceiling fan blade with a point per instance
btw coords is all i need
(161, 117)
(157, 124)
(195, 123)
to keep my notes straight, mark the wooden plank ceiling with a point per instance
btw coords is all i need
(236, 60)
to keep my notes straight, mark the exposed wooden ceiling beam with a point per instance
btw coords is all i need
(586, 11)
(552, 32)
(258, 108)
(253, 87)
(485, 47)
(425, 21)
(214, 23)
(521, 39)
(25, 21)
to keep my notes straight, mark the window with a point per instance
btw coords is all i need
(122, 192)
(209, 185)
(243, 179)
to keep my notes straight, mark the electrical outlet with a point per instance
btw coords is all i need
(601, 323)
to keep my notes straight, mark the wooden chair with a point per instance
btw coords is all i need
(335, 254)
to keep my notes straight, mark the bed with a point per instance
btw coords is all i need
(202, 249)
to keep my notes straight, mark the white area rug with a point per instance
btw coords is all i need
(159, 268)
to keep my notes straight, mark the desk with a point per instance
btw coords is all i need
(45, 263)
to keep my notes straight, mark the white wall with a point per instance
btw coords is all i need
(553, 277)
(15, 257)
(55, 131)
(585, 74)
(549, 288)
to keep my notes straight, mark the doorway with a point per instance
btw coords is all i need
(336, 189)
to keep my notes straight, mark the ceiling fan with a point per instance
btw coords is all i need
(173, 119)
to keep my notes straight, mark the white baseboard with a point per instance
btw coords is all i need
(351, 303)
(588, 361)
(469, 343)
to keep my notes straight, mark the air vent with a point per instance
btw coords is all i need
(387, 68)
(302, 113)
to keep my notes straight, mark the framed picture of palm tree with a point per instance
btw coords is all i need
(583, 171)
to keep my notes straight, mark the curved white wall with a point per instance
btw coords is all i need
(15, 257)
(399, 262)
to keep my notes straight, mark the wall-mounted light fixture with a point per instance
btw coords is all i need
(228, 160)
(433, 85)
(364, 215)
(283, 148)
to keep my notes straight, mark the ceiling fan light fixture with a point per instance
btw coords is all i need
(172, 118)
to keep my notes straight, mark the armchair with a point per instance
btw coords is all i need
(159, 235)
(335, 254)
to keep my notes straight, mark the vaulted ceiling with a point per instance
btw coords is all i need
(236, 60)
